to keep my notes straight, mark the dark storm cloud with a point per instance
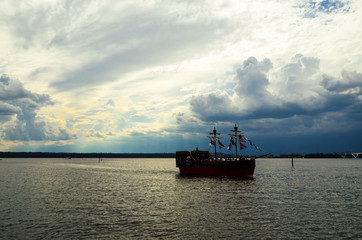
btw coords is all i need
(11, 89)
(348, 81)
(219, 107)
(19, 102)
(252, 99)
(8, 109)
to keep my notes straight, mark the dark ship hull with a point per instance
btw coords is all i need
(218, 171)
(202, 163)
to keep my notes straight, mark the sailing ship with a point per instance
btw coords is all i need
(203, 163)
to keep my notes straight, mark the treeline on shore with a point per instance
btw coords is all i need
(150, 155)
(83, 155)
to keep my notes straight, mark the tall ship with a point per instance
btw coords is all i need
(203, 163)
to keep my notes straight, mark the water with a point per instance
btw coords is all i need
(147, 199)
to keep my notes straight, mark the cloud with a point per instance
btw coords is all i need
(11, 89)
(296, 78)
(148, 59)
(179, 117)
(139, 37)
(254, 79)
(297, 90)
(110, 103)
(349, 81)
(213, 107)
(8, 109)
(16, 101)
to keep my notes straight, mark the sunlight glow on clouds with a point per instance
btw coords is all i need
(157, 76)
(18, 108)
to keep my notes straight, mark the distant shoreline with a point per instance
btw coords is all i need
(83, 155)
(151, 155)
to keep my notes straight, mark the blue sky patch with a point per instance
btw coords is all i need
(313, 8)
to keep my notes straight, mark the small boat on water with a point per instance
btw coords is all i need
(203, 163)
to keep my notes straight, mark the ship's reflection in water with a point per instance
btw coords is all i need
(218, 178)
(147, 198)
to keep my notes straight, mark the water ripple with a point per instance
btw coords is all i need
(147, 198)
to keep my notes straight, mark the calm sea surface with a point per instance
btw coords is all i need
(147, 199)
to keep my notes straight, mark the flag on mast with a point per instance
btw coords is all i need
(229, 147)
(241, 138)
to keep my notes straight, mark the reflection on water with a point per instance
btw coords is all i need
(147, 198)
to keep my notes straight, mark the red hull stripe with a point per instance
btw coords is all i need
(217, 171)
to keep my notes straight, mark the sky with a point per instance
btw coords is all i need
(158, 76)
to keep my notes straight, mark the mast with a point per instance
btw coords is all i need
(214, 138)
(235, 135)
